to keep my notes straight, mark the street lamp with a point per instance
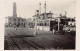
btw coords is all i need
(36, 16)
(58, 23)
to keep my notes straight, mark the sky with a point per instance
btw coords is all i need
(27, 8)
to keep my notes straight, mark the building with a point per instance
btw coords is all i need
(46, 22)
(14, 21)
(30, 23)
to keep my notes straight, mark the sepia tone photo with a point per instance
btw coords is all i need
(40, 25)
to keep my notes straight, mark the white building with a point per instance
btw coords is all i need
(14, 21)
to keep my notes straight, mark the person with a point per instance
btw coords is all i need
(53, 31)
(16, 28)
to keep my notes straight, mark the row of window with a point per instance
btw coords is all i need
(43, 24)
(15, 23)
(18, 19)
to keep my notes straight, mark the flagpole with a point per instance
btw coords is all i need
(35, 24)
(45, 9)
(58, 23)
(40, 8)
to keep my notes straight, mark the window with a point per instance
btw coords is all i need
(40, 24)
(9, 22)
(22, 20)
(14, 19)
(14, 23)
(19, 19)
(45, 24)
(10, 19)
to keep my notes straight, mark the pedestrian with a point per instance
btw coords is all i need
(16, 28)
(53, 31)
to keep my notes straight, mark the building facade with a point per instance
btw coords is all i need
(47, 22)
(14, 21)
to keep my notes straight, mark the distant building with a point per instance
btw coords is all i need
(45, 21)
(30, 23)
(14, 21)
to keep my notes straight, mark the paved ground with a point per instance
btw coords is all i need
(24, 39)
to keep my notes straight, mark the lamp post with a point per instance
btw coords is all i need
(36, 16)
(35, 26)
(58, 23)
(35, 31)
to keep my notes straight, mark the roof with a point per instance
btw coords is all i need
(46, 13)
(42, 14)
(15, 17)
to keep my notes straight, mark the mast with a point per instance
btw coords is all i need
(45, 9)
(40, 8)
(45, 6)
(58, 23)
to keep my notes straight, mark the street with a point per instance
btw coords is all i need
(24, 39)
